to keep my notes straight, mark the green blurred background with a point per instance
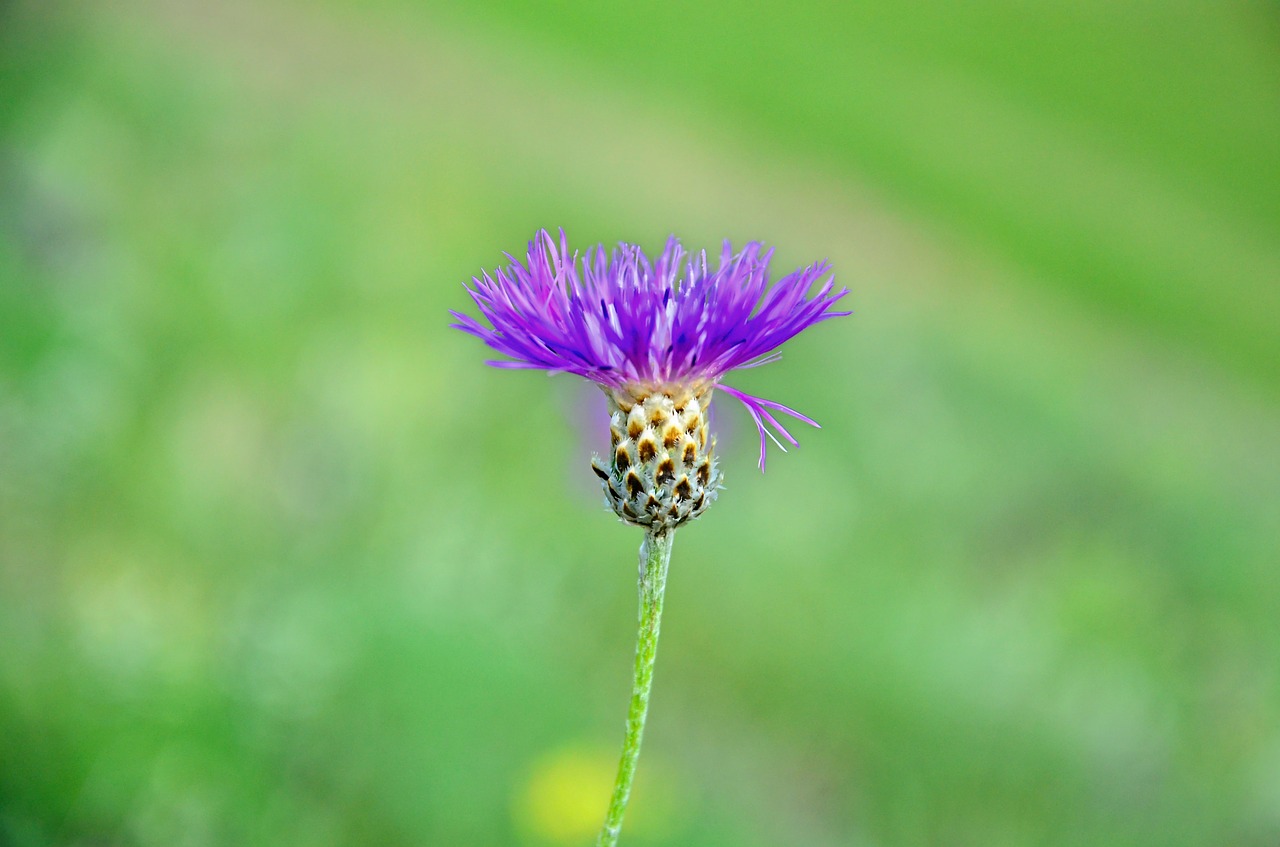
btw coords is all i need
(282, 563)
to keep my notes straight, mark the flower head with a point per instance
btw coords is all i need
(658, 338)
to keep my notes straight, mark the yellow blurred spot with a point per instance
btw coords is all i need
(563, 800)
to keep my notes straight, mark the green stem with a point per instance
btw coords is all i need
(655, 556)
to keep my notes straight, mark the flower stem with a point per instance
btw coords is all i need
(655, 556)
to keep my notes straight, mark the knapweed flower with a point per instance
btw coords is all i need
(658, 338)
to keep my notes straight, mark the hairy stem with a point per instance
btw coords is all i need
(655, 556)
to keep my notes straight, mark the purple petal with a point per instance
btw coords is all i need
(758, 408)
(618, 319)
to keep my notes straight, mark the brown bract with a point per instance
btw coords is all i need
(661, 470)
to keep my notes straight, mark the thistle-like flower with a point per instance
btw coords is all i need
(658, 338)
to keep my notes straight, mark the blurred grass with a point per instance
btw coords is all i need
(282, 563)
(1129, 154)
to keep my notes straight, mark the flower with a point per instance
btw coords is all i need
(658, 338)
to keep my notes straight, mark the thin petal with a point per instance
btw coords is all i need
(758, 408)
(619, 319)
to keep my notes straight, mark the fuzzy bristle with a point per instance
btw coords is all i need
(635, 485)
(648, 448)
(636, 421)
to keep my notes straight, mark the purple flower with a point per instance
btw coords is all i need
(636, 328)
